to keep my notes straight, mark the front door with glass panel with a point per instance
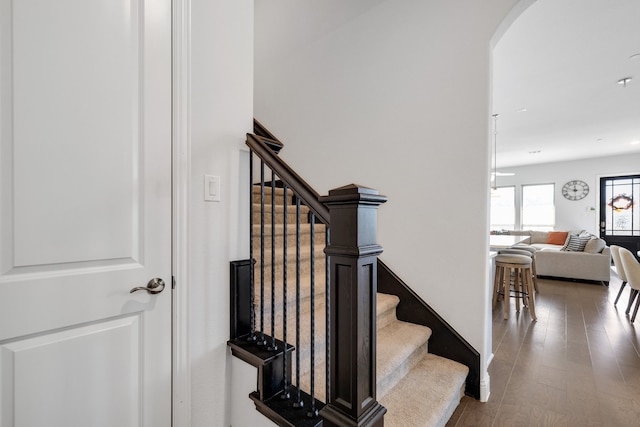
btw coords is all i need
(620, 212)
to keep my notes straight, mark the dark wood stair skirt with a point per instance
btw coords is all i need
(271, 372)
(283, 413)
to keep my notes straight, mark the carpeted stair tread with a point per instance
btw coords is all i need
(427, 396)
(385, 304)
(400, 345)
(386, 309)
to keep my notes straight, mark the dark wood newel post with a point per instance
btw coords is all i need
(353, 254)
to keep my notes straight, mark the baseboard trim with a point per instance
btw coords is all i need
(485, 388)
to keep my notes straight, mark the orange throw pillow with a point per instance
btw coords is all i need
(557, 237)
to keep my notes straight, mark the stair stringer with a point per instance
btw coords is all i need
(445, 340)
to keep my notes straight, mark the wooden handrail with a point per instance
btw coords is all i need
(270, 139)
(287, 175)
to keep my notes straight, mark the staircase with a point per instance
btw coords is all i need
(416, 387)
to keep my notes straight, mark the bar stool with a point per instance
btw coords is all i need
(522, 282)
(532, 251)
(529, 251)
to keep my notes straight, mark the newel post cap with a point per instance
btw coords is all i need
(353, 193)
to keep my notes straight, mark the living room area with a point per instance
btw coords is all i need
(530, 202)
(565, 107)
(565, 136)
(566, 162)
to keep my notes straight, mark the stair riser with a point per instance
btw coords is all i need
(267, 190)
(305, 239)
(387, 383)
(279, 195)
(305, 230)
(279, 207)
(305, 294)
(384, 318)
(291, 217)
(305, 267)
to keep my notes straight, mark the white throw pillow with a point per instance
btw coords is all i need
(539, 236)
(595, 246)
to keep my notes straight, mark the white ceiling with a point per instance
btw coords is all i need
(561, 60)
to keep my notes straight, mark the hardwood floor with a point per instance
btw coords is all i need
(578, 365)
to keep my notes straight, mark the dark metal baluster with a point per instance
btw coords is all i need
(298, 403)
(313, 412)
(252, 286)
(262, 340)
(273, 345)
(327, 241)
(285, 394)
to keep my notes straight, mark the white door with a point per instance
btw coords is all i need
(85, 213)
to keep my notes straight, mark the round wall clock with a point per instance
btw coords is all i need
(575, 190)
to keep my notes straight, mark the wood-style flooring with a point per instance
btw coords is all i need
(578, 365)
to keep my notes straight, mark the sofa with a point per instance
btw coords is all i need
(590, 260)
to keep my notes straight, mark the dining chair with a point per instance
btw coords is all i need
(615, 254)
(632, 270)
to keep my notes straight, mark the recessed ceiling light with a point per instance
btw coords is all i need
(623, 81)
(522, 110)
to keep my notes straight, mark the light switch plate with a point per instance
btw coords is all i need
(211, 188)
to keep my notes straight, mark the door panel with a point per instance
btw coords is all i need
(77, 104)
(52, 370)
(85, 212)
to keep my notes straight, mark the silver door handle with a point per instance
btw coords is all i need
(155, 286)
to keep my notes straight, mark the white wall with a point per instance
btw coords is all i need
(573, 215)
(221, 108)
(396, 96)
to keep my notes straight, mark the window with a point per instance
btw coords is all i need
(619, 212)
(538, 208)
(503, 208)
